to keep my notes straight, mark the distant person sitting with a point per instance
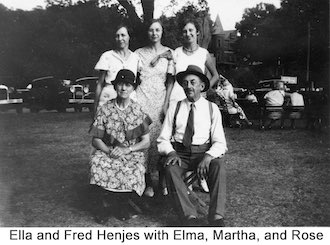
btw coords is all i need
(295, 100)
(226, 91)
(251, 97)
(274, 98)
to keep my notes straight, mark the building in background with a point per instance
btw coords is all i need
(222, 46)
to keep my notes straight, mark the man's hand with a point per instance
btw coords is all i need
(172, 159)
(203, 167)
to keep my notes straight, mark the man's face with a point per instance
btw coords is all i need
(193, 86)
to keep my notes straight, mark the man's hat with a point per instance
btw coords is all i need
(194, 70)
(125, 76)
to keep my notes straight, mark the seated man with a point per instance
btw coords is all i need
(274, 98)
(192, 139)
(295, 100)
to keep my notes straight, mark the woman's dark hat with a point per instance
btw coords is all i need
(194, 70)
(125, 76)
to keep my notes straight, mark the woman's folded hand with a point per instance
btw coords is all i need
(119, 152)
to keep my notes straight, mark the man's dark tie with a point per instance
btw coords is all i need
(188, 134)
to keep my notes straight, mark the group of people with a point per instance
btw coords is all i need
(274, 101)
(151, 115)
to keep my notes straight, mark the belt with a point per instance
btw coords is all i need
(179, 147)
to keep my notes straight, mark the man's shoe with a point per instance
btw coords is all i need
(217, 223)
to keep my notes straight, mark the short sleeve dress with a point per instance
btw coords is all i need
(118, 127)
(112, 62)
(182, 61)
(151, 94)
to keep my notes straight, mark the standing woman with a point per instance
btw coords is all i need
(111, 62)
(190, 53)
(157, 79)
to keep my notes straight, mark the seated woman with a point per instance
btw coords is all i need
(226, 91)
(120, 133)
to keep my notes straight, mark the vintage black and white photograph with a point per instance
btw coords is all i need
(164, 113)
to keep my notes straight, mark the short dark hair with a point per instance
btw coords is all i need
(123, 25)
(190, 21)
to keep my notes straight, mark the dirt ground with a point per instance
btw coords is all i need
(274, 178)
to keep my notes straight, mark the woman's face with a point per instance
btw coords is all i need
(124, 90)
(122, 38)
(189, 33)
(155, 32)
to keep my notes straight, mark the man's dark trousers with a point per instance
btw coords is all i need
(190, 158)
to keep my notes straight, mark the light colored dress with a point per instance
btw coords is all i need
(112, 62)
(151, 94)
(182, 61)
(117, 127)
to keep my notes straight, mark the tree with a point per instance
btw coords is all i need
(298, 17)
(259, 34)
(278, 38)
(67, 38)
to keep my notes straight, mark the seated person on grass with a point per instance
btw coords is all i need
(273, 98)
(120, 132)
(192, 139)
(295, 99)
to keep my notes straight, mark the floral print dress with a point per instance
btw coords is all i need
(118, 127)
(151, 92)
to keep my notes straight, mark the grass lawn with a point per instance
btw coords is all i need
(274, 178)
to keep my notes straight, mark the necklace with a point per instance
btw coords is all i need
(190, 51)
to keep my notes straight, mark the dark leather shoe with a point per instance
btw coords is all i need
(217, 223)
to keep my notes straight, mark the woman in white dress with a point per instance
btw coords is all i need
(190, 53)
(110, 63)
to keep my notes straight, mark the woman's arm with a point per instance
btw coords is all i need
(98, 90)
(169, 87)
(213, 70)
(100, 145)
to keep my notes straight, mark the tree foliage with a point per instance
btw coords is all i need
(66, 39)
(278, 38)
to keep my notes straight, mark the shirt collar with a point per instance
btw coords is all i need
(120, 58)
(197, 103)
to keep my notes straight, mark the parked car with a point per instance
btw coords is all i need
(48, 93)
(10, 98)
(83, 93)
